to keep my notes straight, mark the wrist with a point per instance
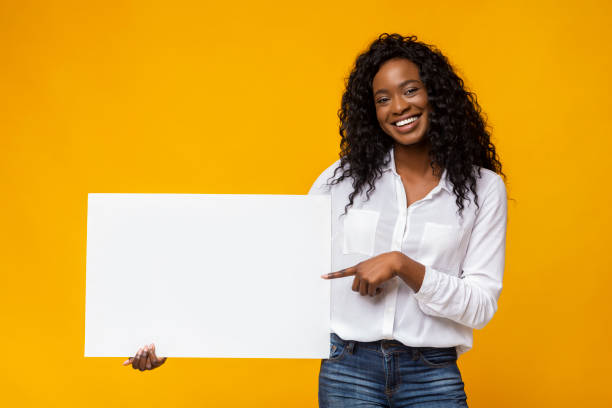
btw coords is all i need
(409, 270)
(398, 265)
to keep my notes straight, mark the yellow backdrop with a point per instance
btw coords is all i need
(241, 97)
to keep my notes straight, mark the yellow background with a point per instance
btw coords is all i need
(241, 97)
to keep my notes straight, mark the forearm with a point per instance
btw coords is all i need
(410, 271)
(471, 301)
(460, 300)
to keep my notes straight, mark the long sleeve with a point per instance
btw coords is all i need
(471, 299)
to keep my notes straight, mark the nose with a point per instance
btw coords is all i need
(399, 105)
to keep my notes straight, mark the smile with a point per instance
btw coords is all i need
(406, 121)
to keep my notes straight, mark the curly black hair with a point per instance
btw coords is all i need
(457, 131)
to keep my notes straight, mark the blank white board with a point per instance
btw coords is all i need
(206, 275)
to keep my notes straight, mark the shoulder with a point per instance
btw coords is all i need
(490, 186)
(320, 186)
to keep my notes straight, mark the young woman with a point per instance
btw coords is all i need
(418, 232)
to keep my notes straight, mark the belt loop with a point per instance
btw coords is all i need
(415, 353)
(350, 346)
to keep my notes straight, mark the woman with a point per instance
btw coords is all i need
(419, 224)
(418, 232)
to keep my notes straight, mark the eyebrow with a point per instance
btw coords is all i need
(403, 84)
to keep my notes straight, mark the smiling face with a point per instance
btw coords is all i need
(401, 102)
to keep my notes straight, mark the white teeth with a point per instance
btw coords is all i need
(406, 121)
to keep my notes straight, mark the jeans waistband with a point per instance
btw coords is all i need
(384, 345)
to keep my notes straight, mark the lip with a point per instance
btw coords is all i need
(409, 127)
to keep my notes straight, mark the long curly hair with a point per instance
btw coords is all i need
(457, 132)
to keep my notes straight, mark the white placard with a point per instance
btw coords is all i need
(206, 275)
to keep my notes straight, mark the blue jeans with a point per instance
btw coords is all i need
(387, 373)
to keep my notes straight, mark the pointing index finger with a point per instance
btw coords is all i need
(340, 274)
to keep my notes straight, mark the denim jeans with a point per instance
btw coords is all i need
(387, 373)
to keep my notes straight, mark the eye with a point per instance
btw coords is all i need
(411, 91)
(382, 100)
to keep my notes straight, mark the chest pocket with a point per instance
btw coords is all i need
(360, 231)
(439, 246)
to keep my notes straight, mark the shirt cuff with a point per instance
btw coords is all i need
(429, 285)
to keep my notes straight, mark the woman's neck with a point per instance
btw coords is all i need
(412, 162)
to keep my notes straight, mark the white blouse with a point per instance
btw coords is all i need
(463, 258)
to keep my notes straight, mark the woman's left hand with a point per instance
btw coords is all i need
(372, 273)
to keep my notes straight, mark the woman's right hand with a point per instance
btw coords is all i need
(145, 359)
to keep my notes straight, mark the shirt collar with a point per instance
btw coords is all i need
(444, 183)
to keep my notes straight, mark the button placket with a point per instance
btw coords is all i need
(396, 245)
